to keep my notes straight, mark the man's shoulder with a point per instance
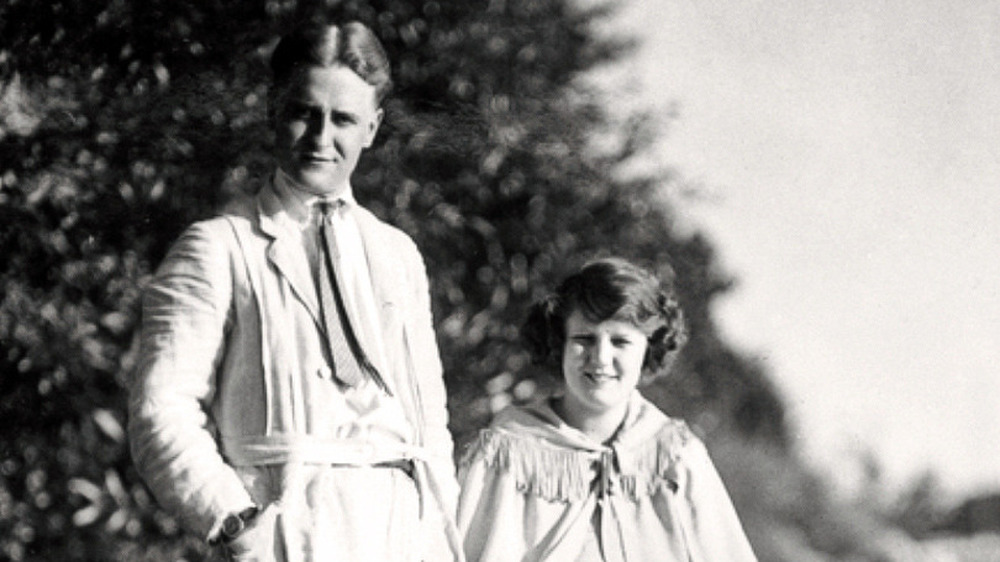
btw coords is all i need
(220, 229)
(390, 234)
(240, 214)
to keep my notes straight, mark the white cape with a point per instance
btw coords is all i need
(534, 488)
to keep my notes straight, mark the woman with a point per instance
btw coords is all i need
(598, 473)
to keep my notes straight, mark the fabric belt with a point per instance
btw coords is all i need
(282, 449)
(405, 465)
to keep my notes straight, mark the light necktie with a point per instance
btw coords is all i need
(349, 312)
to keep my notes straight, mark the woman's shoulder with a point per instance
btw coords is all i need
(654, 448)
(518, 428)
(523, 443)
(646, 425)
(536, 413)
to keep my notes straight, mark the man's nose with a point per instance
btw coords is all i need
(322, 131)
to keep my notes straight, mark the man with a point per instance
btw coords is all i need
(289, 402)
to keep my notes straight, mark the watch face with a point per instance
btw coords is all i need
(232, 524)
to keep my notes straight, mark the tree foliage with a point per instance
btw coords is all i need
(122, 121)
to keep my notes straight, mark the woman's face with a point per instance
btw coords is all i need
(601, 363)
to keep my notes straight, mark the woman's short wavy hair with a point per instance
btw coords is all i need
(606, 289)
(352, 44)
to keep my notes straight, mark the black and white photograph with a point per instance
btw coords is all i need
(499, 281)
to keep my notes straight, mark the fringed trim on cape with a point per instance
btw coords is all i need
(555, 474)
(567, 475)
(643, 469)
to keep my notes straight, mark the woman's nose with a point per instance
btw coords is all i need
(601, 353)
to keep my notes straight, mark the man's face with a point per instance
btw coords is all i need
(323, 119)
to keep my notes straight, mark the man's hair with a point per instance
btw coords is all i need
(352, 44)
(608, 289)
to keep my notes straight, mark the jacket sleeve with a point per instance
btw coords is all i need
(712, 528)
(433, 395)
(184, 317)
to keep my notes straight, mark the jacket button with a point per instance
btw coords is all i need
(325, 372)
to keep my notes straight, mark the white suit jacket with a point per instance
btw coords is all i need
(232, 370)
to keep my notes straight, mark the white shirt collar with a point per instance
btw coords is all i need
(297, 201)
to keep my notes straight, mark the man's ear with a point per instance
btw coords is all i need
(373, 126)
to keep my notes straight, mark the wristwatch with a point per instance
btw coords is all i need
(235, 523)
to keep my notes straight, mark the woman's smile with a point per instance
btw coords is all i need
(601, 378)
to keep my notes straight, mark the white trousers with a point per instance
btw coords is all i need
(330, 513)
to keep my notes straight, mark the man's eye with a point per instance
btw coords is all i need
(342, 120)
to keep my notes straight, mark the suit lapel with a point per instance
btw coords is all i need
(385, 274)
(287, 254)
(391, 286)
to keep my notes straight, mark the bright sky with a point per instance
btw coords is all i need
(852, 152)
